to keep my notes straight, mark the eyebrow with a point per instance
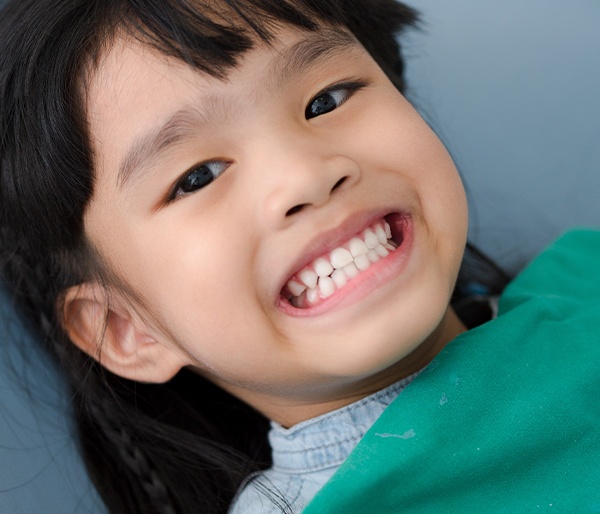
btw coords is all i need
(175, 130)
(316, 48)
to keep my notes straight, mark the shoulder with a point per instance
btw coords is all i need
(274, 492)
(250, 500)
(267, 493)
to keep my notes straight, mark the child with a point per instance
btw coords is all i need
(231, 208)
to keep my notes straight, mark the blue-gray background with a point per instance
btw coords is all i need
(513, 89)
(511, 86)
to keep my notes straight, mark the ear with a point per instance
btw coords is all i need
(110, 332)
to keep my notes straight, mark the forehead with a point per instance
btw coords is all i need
(291, 50)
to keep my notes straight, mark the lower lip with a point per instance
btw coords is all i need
(378, 275)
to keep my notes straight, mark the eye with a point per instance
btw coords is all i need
(331, 98)
(198, 177)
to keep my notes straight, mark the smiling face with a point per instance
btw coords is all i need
(293, 232)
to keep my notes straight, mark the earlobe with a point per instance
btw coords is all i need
(107, 330)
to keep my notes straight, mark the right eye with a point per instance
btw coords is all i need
(198, 177)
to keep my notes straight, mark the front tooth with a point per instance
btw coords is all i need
(309, 278)
(388, 230)
(357, 247)
(339, 277)
(373, 256)
(351, 270)
(379, 230)
(371, 240)
(312, 295)
(323, 267)
(340, 257)
(362, 262)
(381, 251)
(296, 288)
(326, 287)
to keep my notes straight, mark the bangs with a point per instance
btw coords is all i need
(212, 35)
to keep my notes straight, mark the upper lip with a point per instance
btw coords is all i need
(332, 238)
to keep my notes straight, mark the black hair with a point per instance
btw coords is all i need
(183, 446)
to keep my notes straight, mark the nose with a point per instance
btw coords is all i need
(304, 174)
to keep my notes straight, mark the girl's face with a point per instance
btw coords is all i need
(218, 202)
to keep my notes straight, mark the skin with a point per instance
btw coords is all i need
(200, 275)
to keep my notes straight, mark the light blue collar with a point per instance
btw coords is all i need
(325, 441)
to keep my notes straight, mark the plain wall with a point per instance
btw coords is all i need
(513, 89)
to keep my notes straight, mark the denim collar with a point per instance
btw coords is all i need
(325, 441)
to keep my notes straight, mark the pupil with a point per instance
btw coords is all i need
(197, 179)
(323, 104)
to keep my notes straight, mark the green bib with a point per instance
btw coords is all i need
(507, 416)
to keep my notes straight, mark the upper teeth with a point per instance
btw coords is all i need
(340, 257)
(328, 273)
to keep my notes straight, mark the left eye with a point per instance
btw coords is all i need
(330, 99)
(198, 177)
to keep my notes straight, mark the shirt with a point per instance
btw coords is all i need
(306, 455)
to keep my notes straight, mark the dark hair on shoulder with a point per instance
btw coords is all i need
(184, 446)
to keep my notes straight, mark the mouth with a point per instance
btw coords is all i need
(336, 269)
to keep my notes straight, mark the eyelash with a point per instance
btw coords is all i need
(203, 169)
(198, 173)
(349, 87)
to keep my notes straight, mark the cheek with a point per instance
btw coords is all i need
(182, 266)
(414, 153)
(206, 270)
(395, 138)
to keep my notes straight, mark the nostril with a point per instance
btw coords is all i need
(295, 209)
(338, 184)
